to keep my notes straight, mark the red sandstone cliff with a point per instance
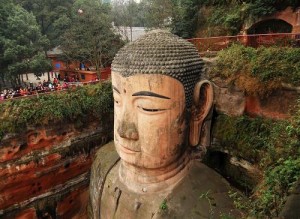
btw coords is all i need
(44, 171)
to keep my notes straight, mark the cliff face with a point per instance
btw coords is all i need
(44, 170)
(231, 101)
(254, 145)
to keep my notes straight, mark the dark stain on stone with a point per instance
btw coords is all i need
(117, 197)
(137, 206)
(23, 146)
(67, 164)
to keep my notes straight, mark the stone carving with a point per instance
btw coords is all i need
(160, 107)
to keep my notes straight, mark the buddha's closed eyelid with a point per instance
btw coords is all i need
(150, 106)
(150, 109)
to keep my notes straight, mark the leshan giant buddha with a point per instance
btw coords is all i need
(160, 105)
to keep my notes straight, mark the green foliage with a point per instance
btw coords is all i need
(129, 13)
(20, 41)
(53, 17)
(158, 13)
(228, 18)
(259, 8)
(210, 200)
(164, 206)
(234, 60)
(259, 70)
(224, 216)
(224, 17)
(237, 134)
(90, 37)
(39, 64)
(185, 18)
(274, 146)
(277, 63)
(72, 105)
(279, 180)
(238, 200)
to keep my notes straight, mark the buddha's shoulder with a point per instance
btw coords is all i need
(203, 193)
(106, 157)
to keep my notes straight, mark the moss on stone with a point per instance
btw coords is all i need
(258, 71)
(273, 145)
(74, 105)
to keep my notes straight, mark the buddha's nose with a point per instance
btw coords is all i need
(128, 131)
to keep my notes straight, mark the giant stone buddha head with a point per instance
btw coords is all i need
(160, 102)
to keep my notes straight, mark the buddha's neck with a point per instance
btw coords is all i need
(141, 180)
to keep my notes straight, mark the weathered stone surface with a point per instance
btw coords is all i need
(228, 100)
(291, 208)
(105, 159)
(278, 105)
(22, 145)
(27, 214)
(201, 194)
(46, 169)
(233, 102)
(74, 205)
(14, 171)
(244, 174)
(36, 181)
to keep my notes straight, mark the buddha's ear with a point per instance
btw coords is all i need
(202, 103)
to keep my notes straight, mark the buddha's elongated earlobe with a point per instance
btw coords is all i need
(202, 103)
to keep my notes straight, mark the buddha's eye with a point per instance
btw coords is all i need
(150, 109)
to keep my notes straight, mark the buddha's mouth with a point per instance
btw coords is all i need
(128, 150)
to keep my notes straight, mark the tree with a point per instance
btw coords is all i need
(53, 17)
(185, 17)
(158, 13)
(91, 37)
(20, 42)
(127, 14)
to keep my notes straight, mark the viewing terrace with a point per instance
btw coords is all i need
(210, 44)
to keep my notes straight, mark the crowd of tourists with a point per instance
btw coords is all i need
(56, 84)
(31, 89)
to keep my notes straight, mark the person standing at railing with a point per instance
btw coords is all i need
(2, 96)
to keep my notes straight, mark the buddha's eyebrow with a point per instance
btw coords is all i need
(150, 94)
(116, 89)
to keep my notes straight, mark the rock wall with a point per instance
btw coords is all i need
(44, 170)
(231, 101)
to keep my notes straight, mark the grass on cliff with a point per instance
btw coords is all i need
(226, 17)
(71, 105)
(273, 145)
(258, 71)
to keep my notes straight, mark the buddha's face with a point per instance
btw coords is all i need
(149, 123)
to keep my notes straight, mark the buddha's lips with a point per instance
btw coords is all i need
(127, 150)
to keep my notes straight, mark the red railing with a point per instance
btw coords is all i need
(255, 40)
